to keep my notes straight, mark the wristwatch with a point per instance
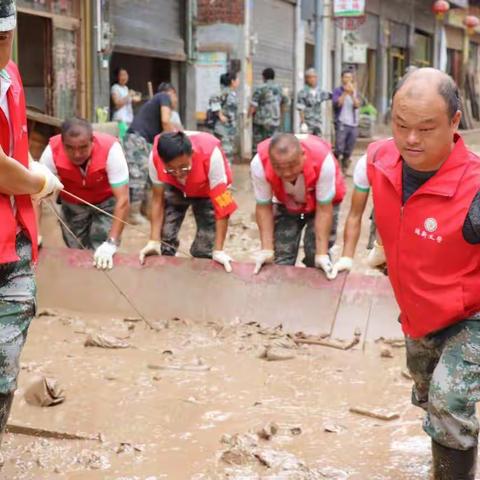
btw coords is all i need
(113, 241)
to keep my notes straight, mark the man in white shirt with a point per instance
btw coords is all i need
(93, 168)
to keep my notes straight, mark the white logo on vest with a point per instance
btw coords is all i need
(431, 225)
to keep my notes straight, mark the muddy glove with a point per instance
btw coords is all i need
(344, 264)
(103, 257)
(324, 263)
(376, 257)
(261, 258)
(151, 248)
(303, 128)
(52, 183)
(221, 257)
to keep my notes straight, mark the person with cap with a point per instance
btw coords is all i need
(426, 194)
(309, 104)
(267, 105)
(296, 181)
(190, 169)
(21, 182)
(92, 166)
(154, 117)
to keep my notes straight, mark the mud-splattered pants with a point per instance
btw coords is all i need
(17, 309)
(176, 206)
(445, 367)
(88, 225)
(288, 233)
(137, 150)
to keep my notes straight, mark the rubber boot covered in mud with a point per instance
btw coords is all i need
(452, 464)
(6, 401)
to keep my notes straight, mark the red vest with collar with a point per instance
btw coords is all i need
(315, 150)
(198, 184)
(23, 203)
(434, 271)
(94, 186)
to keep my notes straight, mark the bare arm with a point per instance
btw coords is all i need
(353, 224)
(265, 222)
(323, 226)
(15, 179)
(166, 116)
(118, 101)
(121, 211)
(158, 209)
(221, 227)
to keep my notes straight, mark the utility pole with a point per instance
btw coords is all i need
(319, 10)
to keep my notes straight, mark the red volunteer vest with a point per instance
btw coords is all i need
(197, 184)
(316, 150)
(434, 272)
(94, 187)
(25, 213)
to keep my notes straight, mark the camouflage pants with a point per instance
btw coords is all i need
(446, 371)
(17, 309)
(176, 206)
(260, 133)
(228, 137)
(88, 225)
(288, 233)
(137, 151)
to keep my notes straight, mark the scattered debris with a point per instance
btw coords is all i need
(273, 354)
(392, 342)
(386, 352)
(406, 374)
(16, 428)
(378, 414)
(44, 392)
(333, 428)
(105, 341)
(268, 431)
(327, 342)
(132, 320)
(47, 312)
(93, 460)
(186, 368)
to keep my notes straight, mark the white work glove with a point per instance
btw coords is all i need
(221, 257)
(303, 128)
(261, 258)
(103, 257)
(344, 264)
(324, 263)
(52, 183)
(376, 257)
(151, 248)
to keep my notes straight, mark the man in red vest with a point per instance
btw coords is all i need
(19, 183)
(93, 167)
(426, 194)
(297, 183)
(190, 169)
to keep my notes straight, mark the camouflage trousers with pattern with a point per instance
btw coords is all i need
(17, 309)
(288, 230)
(228, 136)
(261, 133)
(176, 206)
(137, 151)
(445, 367)
(89, 226)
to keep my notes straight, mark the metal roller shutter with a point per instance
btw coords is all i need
(274, 25)
(150, 28)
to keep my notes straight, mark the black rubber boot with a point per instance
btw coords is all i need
(452, 464)
(6, 401)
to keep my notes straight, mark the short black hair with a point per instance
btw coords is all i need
(347, 70)
(172, 145)
(117, 71)
(73, 127)
(166, 87)
(226, 79)
(284, 142)
(268, 74)
(447, 89)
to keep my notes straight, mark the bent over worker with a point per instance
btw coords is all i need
(426, 194)
(19, 183)
(92, 166)
(190, 169)
(296, 181)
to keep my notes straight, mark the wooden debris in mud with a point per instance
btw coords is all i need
(328, 342)
(16, 428)
(392, 342)
(386, 353)
(185, 368)
(373, 413)
(406, 374)
(105, 341)
(275, 354)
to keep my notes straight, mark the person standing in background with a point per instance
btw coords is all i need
(123, 98)
(346, 103)
(309, 104)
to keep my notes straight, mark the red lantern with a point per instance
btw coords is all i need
(471, 22)
(440, 8)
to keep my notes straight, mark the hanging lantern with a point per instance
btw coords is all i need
(471, 22)
(440, 8)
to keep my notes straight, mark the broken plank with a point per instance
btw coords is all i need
(16, 428)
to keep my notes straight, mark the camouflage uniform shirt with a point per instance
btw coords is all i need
(309, 100)
(268, 100)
